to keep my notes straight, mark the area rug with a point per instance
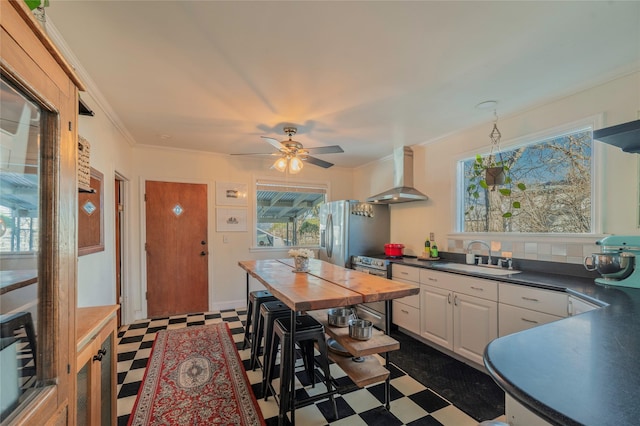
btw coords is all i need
(195, 377)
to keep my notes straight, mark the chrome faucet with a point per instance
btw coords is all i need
(485, 244)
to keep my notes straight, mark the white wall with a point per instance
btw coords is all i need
(110, 153)
(226, 278)
(617, 101)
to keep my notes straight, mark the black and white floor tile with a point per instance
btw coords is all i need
(411, 402)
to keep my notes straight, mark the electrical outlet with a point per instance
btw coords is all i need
(225, 239)
(432, 236)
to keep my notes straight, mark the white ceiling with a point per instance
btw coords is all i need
(366, 75)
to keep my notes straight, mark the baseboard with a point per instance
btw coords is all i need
(232, 304)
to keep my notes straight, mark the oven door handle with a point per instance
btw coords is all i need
(370, 312)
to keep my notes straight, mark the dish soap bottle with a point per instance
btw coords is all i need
(434, 250)
(427, 248)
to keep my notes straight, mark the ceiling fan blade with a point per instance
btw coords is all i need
(317, 161)
(259, 153)
(274, 142)
(333, 149)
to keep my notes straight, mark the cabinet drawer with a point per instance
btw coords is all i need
(413, 300)
(406, 316)
(404, 272)
(512, 319)
(478, 287)
(547, 301)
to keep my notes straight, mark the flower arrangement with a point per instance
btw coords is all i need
(306, 253)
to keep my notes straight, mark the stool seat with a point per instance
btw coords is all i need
(269, 312)
(256, 298)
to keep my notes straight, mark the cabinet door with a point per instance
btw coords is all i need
(436, 312)
(407, 317)
(107, 385)
(96, 378)
(475, 325)
(518, 415)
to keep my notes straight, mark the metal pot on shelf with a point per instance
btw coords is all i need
(340, 317)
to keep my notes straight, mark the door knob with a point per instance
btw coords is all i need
(203, 253)
(203, 242)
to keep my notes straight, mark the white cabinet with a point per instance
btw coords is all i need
(406, 310)
(518, 415)
(459, 313)
(523, 307)
(578, 306)
(436, 313)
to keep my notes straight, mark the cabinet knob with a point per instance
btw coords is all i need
(101, 352)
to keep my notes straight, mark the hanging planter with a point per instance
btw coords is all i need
(495, 176)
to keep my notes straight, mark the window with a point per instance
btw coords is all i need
(547, 188)
(287, 214)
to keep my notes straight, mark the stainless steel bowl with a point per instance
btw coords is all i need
(340, 317)
(360, 329)
(615, 266)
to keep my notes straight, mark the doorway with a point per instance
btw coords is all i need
(119, 212)
(176, 248)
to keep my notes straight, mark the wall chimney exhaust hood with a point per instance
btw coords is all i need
(625, 136)
(403, 190)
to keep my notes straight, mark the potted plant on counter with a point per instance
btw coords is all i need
(301, 259)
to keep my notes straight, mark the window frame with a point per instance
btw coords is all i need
(597, 164)
(256, 181)
(49, 286)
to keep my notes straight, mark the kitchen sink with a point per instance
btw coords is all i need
(478, 269)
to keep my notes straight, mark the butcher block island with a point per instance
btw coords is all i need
(326, 286)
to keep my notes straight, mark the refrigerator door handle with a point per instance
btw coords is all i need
(329, 235)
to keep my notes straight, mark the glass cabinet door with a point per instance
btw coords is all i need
(21, 136)
(106, 390)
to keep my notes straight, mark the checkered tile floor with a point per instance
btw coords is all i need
(411, 402)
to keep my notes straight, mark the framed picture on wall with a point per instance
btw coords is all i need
(231, 194)
(91, 216)
(231, 220)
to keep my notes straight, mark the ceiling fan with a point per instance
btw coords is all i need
(292, 153)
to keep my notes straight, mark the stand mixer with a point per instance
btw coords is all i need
(617, 261)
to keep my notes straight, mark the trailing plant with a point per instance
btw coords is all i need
(478, 184)
(32, 4)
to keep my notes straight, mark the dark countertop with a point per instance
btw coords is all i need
(580, 370)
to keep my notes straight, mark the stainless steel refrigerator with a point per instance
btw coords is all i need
(352, 228)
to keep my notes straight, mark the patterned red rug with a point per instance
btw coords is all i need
(195, 377)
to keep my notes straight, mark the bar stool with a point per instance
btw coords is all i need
(269, 312)
(256, 298)
(308, 331)
(10, 323)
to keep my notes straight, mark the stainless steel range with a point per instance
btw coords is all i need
(375, 312)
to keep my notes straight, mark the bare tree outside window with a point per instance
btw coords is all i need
(557, 175)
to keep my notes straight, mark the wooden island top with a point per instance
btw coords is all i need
(324, 286)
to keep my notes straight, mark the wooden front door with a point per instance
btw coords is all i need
(176, 247)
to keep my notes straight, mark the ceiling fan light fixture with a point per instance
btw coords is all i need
(280, 164)
(295, 165)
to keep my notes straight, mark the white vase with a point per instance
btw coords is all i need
(301, 264)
